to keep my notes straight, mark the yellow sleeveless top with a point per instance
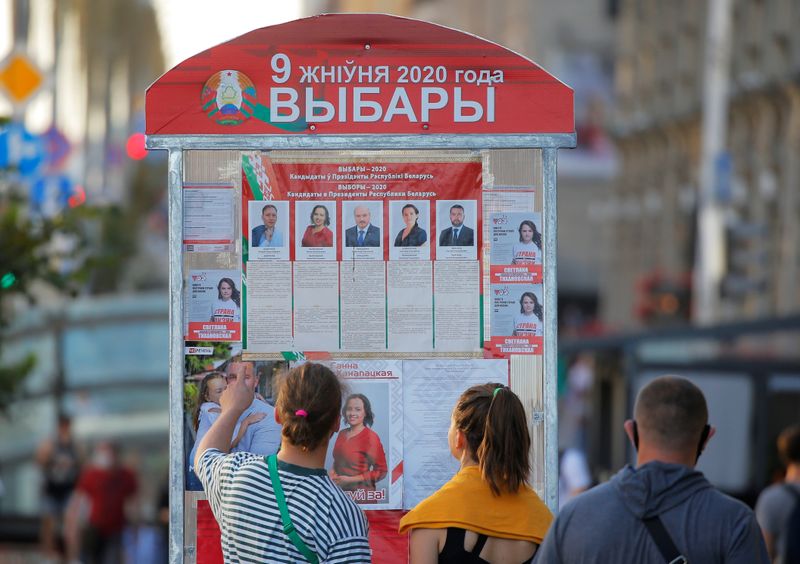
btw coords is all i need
(467, 502)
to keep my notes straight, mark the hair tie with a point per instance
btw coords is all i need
(301, 413)
(496, 391)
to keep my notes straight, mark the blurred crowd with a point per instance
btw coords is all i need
(90, 504)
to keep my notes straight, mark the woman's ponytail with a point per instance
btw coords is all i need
(493, 420)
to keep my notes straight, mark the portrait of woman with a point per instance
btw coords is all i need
(529, 319)
(529, 248)
(359, 461)
(206, 411)
(226, 308)
(318, 234)
(412, 235)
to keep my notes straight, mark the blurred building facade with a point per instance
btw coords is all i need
(97, 58)
(100, 360)
(651, 216)
(573, 40)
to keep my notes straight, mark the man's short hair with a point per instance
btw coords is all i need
(269, 206)
(456, 207)
(671, 412)
(789, 445)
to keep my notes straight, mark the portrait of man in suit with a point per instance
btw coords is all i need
(267, 235)
(458, 234)
(363, 233)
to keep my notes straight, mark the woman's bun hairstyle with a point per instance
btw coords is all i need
(309, 400)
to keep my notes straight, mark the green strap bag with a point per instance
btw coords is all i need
(288, 526)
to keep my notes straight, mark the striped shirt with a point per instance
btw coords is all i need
(240, 493)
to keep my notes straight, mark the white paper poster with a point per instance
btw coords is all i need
(410, 305)
(269, 306)
(316, 305)
(431, 389)
(208, 224)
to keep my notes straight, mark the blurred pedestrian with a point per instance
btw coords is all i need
(283, 508)
(574, 476)
(108, 490)
(59, 460)
(663, 508)
(778, 504)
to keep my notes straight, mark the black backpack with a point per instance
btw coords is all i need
(791, 532)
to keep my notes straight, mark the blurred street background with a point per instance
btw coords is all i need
(679, 230)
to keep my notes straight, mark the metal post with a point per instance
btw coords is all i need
(176, 348)
(709, 255)
(550, 291)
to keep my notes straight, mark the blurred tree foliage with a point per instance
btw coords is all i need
(56, 251)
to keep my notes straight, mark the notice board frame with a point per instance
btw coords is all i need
(176, 144)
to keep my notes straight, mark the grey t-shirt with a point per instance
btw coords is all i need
(773, 509)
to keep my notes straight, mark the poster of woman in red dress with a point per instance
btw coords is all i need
(359, 459)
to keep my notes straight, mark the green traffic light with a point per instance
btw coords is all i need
(7, 280)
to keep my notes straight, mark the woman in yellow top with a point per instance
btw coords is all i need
(486, 512)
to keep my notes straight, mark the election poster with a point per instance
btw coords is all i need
(409, 226)
(456, 228)
(365, 456)
(208, 218)
(515, 247)
(214, 305)
(517, 324)
(269, 232)
(420, 263)
(369, 240)
(431, 389)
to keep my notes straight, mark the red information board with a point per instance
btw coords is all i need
(353, 74)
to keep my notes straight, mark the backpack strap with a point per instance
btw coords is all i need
(663, 541)
(288, 526)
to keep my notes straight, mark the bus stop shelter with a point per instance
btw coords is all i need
(377, 193)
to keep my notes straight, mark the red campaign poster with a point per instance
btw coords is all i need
(213, 305)
(209, 549)
(517, 320)
(515, 277)
(388, 546)
(373, 196)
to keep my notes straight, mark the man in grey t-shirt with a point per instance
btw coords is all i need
(776, 503)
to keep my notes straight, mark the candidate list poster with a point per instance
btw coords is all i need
(385, 225)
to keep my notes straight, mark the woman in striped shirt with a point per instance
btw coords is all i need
(244, 497)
